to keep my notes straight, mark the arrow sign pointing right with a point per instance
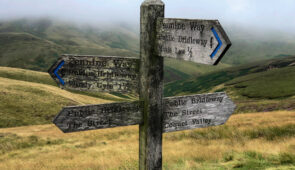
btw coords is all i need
(199, 41)
(196, 111)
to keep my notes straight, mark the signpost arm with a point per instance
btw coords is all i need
(151, 87)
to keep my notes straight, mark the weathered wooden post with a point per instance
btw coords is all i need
(151, 87)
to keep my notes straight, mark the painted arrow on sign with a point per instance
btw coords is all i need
(180, 113)
(97, 73)
(199, 41)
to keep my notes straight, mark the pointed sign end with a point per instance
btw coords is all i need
(54, 72)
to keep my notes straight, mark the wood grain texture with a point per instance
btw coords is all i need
(90, 117)
(191, 40)
(97, 73)
(151, 87)
(196, 111)
(180, 113)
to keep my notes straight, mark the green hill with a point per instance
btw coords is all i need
(37, 43)
(181, 70)
(261, 86)
(30, 98)
(251, 44)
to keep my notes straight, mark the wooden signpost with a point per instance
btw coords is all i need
(200, 41)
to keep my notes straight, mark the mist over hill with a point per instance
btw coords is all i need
(36, 43)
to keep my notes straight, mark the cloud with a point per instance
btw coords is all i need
(273, 14)
(238, 5)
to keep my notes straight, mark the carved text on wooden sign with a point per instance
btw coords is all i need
(180, 113)
(90, 117)
(97, 73)
(200, 41)
(196, 111)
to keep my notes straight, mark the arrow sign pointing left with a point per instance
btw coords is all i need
(90, 117)
(199, 41)
(56, 72)
(96, 73)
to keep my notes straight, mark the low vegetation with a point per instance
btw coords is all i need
(247, 141)
(25, 103)
(263, 86)
(264, 140)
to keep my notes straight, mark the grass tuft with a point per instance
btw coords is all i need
(272, 133)
(10, 142)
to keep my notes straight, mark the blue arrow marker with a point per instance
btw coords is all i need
(56, 70)
(219, 43)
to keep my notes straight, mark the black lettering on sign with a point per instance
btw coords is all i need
(198, 111)
(74, 125)
(82, 62)
(123, 64)
(80, 113)
(79, 84)
(170, 114)
(98, 123)
(206, 37)
(201, 121)
(176, 103)
(105, 86)
(166, 37)
(97, 73)
(80, 118)
(197, 27)
(179, 51)
(191, 40)
(176, 124)
(173, 26)
(165, 49)
(206, 99)
(191, 112)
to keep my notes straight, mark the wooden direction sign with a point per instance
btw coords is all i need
(81, 118)
(180, 113)
(96, 73)
(200, 41)
(196, 111)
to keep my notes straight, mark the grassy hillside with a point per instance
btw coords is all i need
(26, 75)
(264, 86)
(30, 98)
(269, 84)
(247, 141)
(182, 70)
(252, 44)
(36, 43)
(25, 103)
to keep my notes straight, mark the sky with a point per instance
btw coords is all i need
(255, 14)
